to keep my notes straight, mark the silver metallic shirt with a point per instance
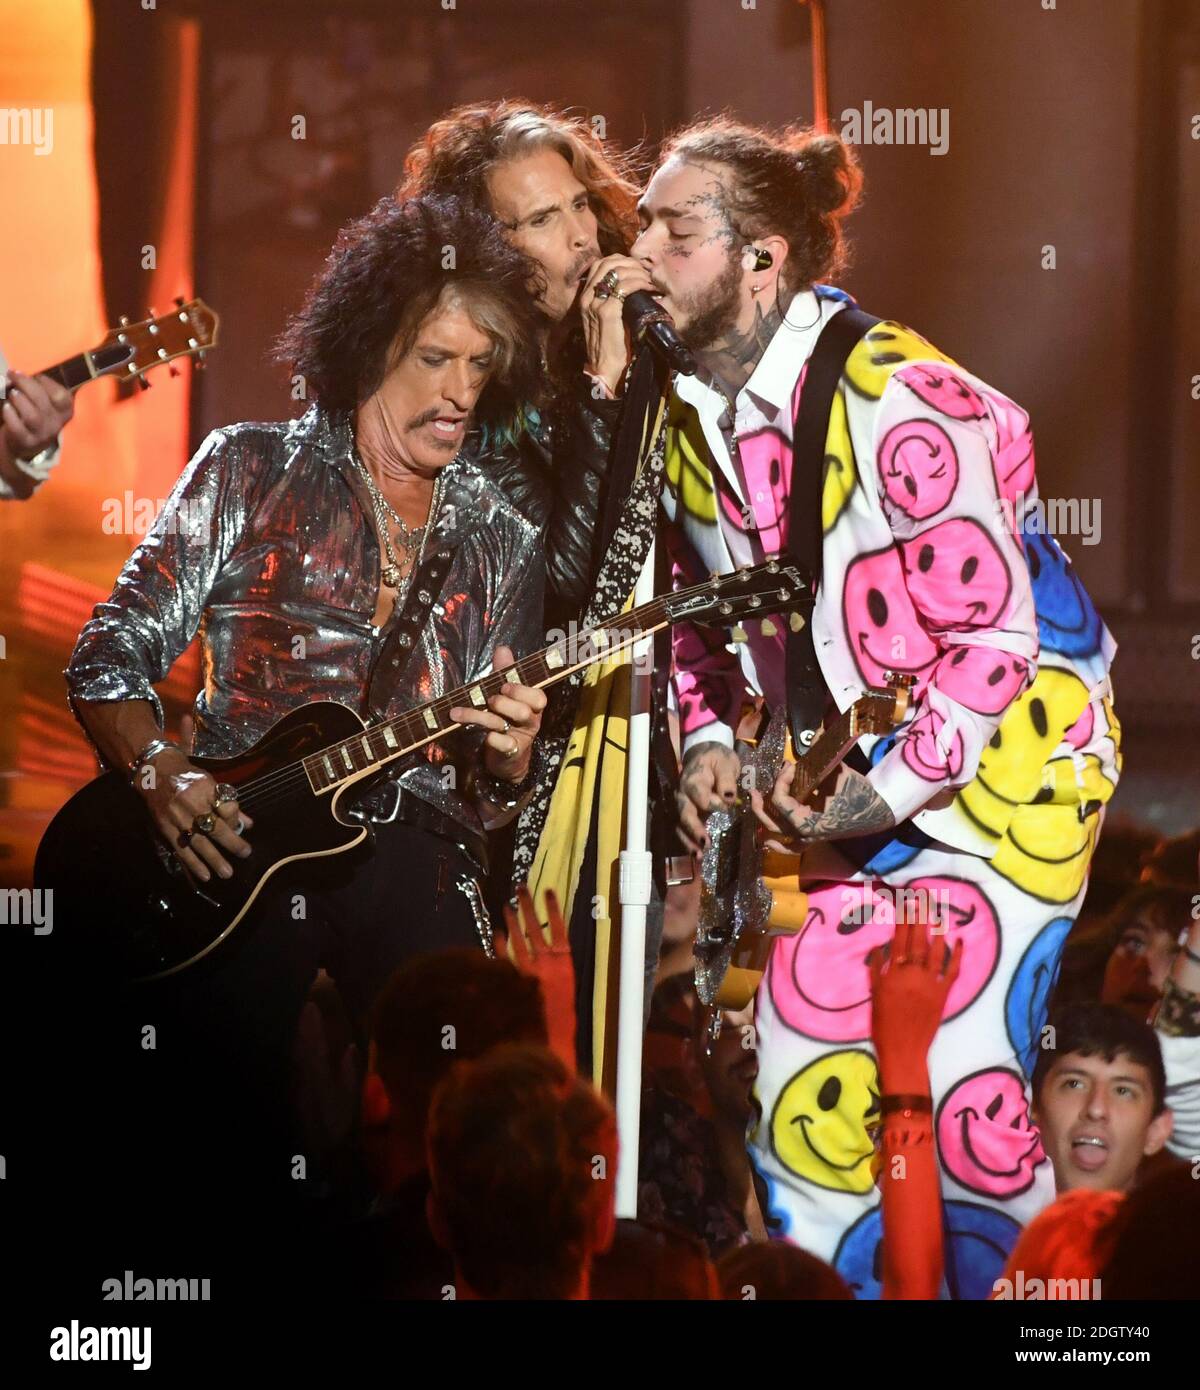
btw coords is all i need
(267, 549)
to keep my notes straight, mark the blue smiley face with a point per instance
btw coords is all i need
(1067, 619)
(859, 1257)
(978, 1243)
(1029, 993)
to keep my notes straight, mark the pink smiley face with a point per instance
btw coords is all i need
(882, 626)
(982, 678)
(819, 980)
(919, 465)
(1014, 460)
(956, 575)
(923, 750)
(987, 1141)
(941, 388)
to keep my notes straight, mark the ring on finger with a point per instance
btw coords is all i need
(205, 824)
(506, 728)
(184, 839)
(225, 793)
(514, 750)
(611, 282)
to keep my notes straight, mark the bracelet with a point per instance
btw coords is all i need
(504, 795)
(905, 1105)
(151, 750)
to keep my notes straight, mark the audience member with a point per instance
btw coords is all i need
(1099, 1097)
(436, 1010)
(1062, 1251)
(1155, 1240)
(522, 1167)
(653, 1262)
(778, 1270)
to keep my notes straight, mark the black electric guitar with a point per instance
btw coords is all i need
(113, 877)
(132, 349)
(749, 895)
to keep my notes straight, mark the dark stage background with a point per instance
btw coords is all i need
(1072, 127)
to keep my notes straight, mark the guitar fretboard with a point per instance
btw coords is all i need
(74, 372)
(393, 738)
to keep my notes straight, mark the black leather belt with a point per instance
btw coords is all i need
(392, 803)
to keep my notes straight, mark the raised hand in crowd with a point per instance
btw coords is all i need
(909, 986)
(551, 965)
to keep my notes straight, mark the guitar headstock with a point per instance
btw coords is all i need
(773, 587)
(189, 330)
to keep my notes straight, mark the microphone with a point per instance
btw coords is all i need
(646, 318)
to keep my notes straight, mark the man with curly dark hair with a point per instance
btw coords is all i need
(291, 549)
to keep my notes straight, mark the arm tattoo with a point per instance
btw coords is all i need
(857, 809)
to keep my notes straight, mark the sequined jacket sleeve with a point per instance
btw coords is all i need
(155, 609)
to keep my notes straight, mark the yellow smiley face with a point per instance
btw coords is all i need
(1012, 768)
(841, 474)
(688, 474)
(821, 1127)
(888, 345)
(1046, 851)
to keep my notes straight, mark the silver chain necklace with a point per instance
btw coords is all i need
(412, 540)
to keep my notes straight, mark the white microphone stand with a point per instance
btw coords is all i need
(636, 873)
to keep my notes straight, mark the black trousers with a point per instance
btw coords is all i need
(358, 915)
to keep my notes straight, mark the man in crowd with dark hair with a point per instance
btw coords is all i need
(523, 1167)
(914, 488)
(299, 587)
(436, 1010)
(1099, 1097)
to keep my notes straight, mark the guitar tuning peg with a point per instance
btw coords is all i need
(123, 321)
(796, 621)
(768, 628)
(738, 634)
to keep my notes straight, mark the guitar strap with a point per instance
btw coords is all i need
(392, 660)
(807, 694)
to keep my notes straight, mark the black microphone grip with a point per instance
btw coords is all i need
(646, 318)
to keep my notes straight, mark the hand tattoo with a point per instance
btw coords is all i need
(856, 809)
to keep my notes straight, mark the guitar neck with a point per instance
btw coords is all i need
(383, 743)
(827, 751)
(77, 371)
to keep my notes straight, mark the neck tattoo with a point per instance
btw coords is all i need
(732, 361)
